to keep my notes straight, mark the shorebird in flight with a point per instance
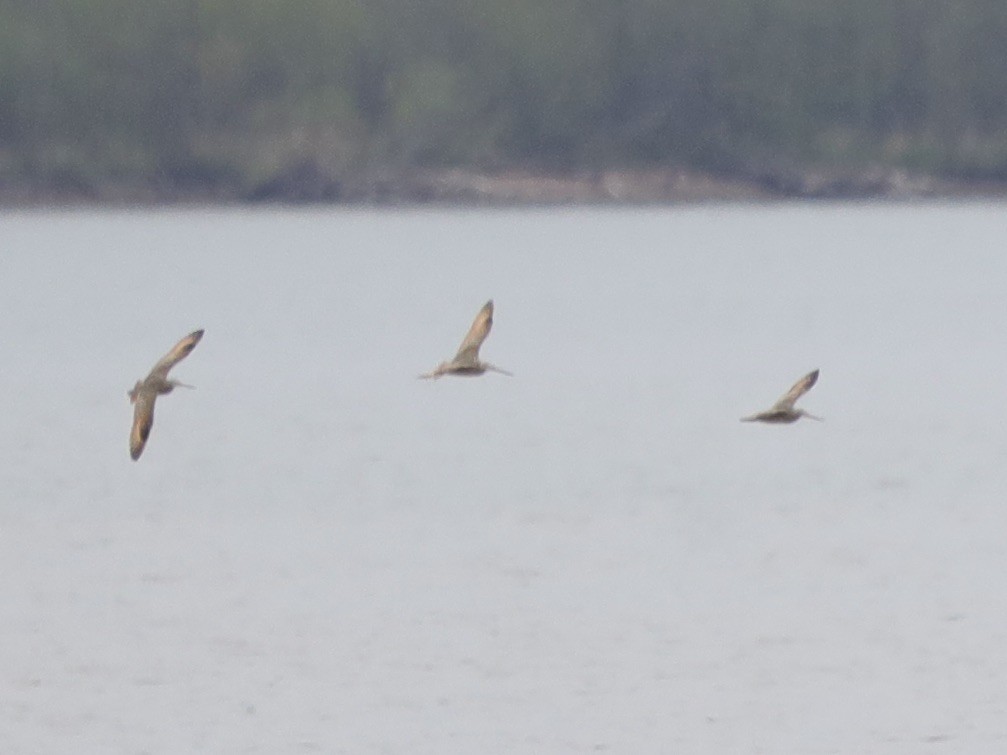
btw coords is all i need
(466, 361)
(156, 383)
(783, 411)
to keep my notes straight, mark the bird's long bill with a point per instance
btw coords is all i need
(183, 385)
(494, 368)
(812, 416)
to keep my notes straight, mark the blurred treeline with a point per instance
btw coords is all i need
(232, 93)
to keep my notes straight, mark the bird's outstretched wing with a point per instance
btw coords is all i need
(178, 352)
(802, 386)
(469, 350)
(143, 420)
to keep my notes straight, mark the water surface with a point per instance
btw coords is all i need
(318, 552)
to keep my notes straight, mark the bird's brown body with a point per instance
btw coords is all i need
(774, 418)
(157, 383)
(463, 370)
(783, 411)
(466, 362)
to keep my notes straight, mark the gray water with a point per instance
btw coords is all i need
(320, 553)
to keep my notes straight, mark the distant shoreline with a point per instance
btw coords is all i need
(308, 185)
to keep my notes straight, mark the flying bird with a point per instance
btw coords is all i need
(155, 384)
(783, 411)
(466, 361)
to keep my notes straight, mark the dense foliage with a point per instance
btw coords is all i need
(233, 92)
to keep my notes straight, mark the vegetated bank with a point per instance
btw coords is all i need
(476, 100)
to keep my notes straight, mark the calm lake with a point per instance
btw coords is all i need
(318, 552)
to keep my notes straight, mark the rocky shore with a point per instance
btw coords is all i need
(308, 183)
